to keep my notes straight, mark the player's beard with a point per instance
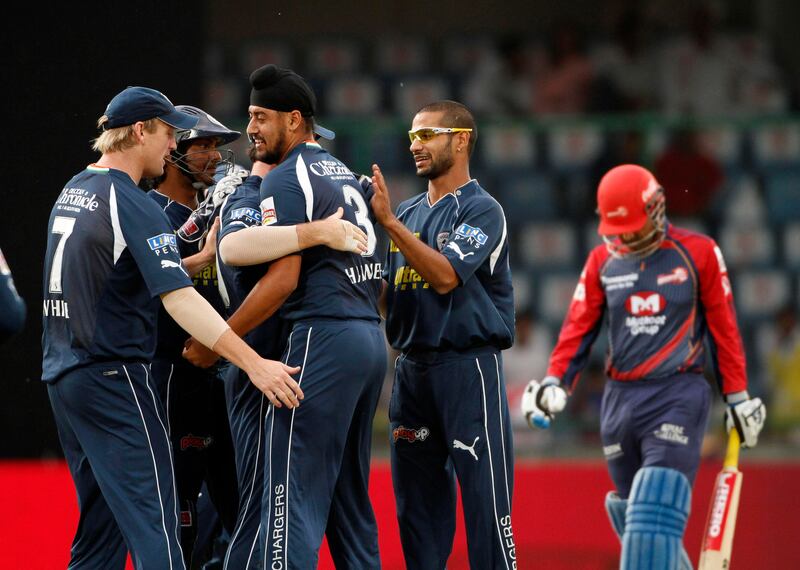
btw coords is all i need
(438, 165)
(273, 153)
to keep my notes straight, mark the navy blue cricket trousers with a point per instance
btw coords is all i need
(649, 423)
(449, 418)
(316, 470)
(111, 425)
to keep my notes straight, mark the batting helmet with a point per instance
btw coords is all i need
(627, 197)
(207, 127)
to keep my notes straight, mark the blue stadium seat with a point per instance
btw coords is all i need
(760, 294)
(354, 96)
(782, 192)
(550, 245)
(525, 196)
(747, 245)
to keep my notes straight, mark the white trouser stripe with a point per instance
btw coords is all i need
(169, 388)
(502, 434)
(289, 450)
(491, 463)
(155, 467)
(242, 514)
(171, 461)
(268, 476)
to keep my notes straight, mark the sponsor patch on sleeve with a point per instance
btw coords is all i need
(268, 214)
(161, 241)
(474, 236)
(250, 216)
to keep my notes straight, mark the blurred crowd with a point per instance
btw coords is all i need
(706, 107)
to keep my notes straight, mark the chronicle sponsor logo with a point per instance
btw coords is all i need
(329, 168)
(77, 199)
(672, 432)
(410, 434)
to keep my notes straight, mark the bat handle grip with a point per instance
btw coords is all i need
(732, 454)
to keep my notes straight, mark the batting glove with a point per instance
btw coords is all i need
(747, 416)
(542, 400)
(196, 226)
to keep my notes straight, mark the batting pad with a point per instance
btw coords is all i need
(658, 508)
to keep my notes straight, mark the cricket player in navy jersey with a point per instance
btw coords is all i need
(316, 468)
(664, 290)
(12, 307)
(450, 311)
(197, 419)
(253, 293)
(110, 254)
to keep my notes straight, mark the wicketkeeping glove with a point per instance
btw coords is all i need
(196, 226)
(542, 400)
(748, 417)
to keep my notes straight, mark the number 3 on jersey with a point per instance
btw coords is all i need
(353, 198)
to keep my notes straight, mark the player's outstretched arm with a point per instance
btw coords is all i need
(429, 263)
(260, 244)
(197, 317)
(541, 401)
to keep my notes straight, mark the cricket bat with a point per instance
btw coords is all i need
(721, 522)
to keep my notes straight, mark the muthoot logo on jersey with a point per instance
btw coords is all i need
(645, 304)
(645, 308)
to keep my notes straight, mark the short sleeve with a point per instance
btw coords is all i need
(282, 200)
(479, 235)
(241, 209)
(144, 229)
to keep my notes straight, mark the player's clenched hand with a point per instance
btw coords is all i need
(381, 203)
(198, 354)
(274, 380)
(541, 401)
(340, 234)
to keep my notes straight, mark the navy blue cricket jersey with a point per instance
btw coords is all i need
(240, 211)
(310, 184)
(12, 307)
(110, 254)
(469, 228)
(170, 335)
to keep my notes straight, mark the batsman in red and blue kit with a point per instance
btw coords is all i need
(667, 299)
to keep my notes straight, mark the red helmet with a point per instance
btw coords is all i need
(629, 195)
